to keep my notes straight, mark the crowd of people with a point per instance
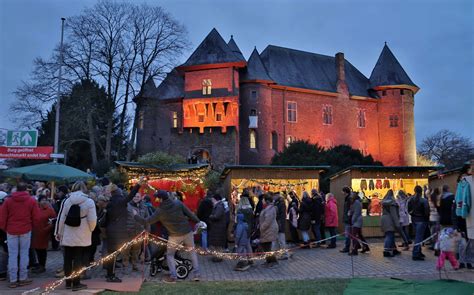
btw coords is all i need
(84, 222)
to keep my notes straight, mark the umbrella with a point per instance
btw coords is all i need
(48, 172)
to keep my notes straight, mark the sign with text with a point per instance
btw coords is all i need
(36, 153)
(26, 138)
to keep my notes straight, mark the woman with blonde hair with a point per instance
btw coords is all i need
(77, 219)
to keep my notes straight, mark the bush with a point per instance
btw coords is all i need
(115, 176)
(161, 159)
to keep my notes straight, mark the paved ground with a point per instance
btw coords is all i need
(304, 264)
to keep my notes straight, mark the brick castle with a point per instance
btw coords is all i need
(220, 108)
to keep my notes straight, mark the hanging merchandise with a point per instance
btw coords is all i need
(463, 198)
(378, 184)
(386, 183)
(371, 185)
(363, 184)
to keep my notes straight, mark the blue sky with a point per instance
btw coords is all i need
(433, 40)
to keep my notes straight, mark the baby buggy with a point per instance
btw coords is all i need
(159, 263)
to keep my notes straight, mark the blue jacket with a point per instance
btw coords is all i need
(463, 199)
(241, 231)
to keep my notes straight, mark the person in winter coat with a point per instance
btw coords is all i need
(242, 241)
(134, 229)
(420, 215)
(448, 244)
(331, 218)
(317, 213)
(355, 215)
(75, 239)
(280, 206)
(345, 216)
(203, 213)
(116, 223)
(402, 200)
(19, 213)
(245, 208)
(217, 226)
(293, 220)
(390, 223)
(304, 220)
(434, 197)
(445, 207)
(41, 232)
(61, 195)
(268, 229)
(174, 216)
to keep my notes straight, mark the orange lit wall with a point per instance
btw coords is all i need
(211, 112)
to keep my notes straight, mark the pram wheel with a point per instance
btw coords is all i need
(188, 263)
(182, 272)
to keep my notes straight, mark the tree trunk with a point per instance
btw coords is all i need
(132, 139)
(108, 139)
(91, 132)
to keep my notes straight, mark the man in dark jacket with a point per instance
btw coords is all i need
(419, 210)
(347, 221)
(217, 226)
(203, 213)
(116, 223)
(280, 206)
(174, 216)
(317, 212)
(445, 207)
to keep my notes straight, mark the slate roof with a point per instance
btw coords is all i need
(213, 50)
(148, 89)
(171, 87)
(388, 71)
(235, 49)
(255, 68)
(308, 70)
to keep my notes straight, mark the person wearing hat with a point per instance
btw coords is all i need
(174, 216)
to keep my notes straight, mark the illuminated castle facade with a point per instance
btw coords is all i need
(220, 108)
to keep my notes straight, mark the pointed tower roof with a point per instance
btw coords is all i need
(389, 72)
(255, 68)
(235, 49)
(148, 88)
(213, 50)
(171, 87)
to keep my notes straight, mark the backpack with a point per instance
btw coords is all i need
(73, 217)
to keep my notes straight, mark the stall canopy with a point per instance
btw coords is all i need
(48, 172)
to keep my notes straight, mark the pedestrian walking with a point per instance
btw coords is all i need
(420, 215)
(331, 218)
(42, 231)
(390, 223)
(268, 229)
(304, 219)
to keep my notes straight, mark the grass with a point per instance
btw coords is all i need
(322, 287)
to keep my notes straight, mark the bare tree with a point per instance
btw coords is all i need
(448, 148)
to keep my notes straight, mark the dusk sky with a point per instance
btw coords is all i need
(433, 41)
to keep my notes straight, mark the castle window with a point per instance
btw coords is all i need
(384, 92)
(253, 112)
(175, 119)
(200, 118)
(274, 141)
(218, 117)
(289, 139)
(253, 94)
(361, 118)
(402, 91)
(253, 139)
(206, 87)
(327, 115)
(141, 116)
(393, 121)
(291, 108)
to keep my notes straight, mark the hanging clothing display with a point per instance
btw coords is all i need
(463, 198)
(371, 185)
(363, 184)
(378, 184)
(470, 213)
(386, 183)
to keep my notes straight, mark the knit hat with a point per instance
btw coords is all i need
(162, 194)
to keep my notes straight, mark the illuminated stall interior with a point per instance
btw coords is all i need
(187, 178)
(373, 183)
(264, 178)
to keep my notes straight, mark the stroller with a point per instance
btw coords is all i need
(158, 263)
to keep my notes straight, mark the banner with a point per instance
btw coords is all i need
(37, 153)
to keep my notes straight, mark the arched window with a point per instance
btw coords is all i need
(274, 141)
(253, 139)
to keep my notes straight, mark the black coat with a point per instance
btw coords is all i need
(217, 230)
(317, 209)
(347, 207)
(304, 220)
(281, 214)
(205, 209)
(445, 209)
(116, 222)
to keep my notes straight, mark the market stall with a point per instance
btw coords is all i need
(187, 178)
(372, 183)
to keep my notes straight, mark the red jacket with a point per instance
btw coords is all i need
(330, 215)
(18, 213)
(42, 228)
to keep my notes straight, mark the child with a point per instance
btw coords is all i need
(448, 244)
(241, 241)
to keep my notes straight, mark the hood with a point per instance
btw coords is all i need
(332, 200)
(20, 196)
(240, 218)
(77, 197)
(390, 201)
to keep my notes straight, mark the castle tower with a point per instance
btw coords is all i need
(396, 110)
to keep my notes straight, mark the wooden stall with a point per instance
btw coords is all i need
(372, 183)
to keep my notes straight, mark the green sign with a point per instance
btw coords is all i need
(28, 138)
